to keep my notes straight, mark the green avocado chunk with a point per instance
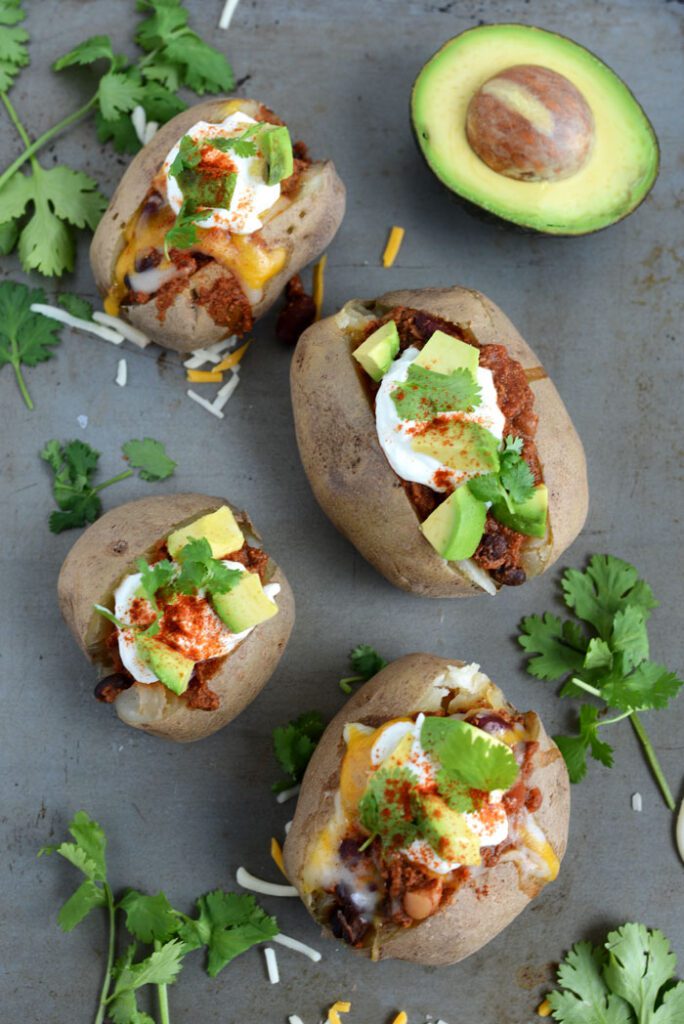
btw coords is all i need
(244, 606)
(456, 526)
(530, 517)
(618, 146)
(443, 354)
(376, 353)
(459, 444)
(171, 668)
(447, 831)
(276, 146)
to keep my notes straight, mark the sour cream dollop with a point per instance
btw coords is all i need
(395, 435)
(216, 639)
(251, 196)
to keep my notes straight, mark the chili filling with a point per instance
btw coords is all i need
(500, 550)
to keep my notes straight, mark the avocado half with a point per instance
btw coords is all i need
(622, 162)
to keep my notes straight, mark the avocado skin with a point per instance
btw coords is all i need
(488, 216)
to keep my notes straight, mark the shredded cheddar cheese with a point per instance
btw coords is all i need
(335, 1010)
(277, 855)
(400, 1018)
(233, 359)
(396, 237)
(319, 284)
(204, 377)
(544, 1009)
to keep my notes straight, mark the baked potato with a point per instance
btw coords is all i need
(430, 815)
(184, 615)
(198, 242)
(435, 441)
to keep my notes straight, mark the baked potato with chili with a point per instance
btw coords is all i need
(210, 220)
(435, 441)
(430, 815)
(180, 609)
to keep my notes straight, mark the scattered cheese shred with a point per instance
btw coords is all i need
(204, 403)
(679, 831)
(544, 1009)
(54, 313)
(288, 826)
(272, 965)
(298, 947)
(224, 393)
(400, 1018)
(319, 284)
(248, 881)
(204, 377)
(277, 854)
(122, 373)
(396, 237)
(637, 804)
(227, 13)
(287, 794)
(151, 129)
(129, 332)
(294, 1019)
(335, 1010)
(138, 120)
(210, 354)
(233, 359)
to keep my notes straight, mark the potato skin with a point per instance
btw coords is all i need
(354, 483)
(467, 923)
(305, 228)
(107, 551)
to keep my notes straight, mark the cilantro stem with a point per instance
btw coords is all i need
(102, 1005)
(20, 377)
(586, 686)
(113, 480)
(345, 684)
(652, 759)
(612, 721)
(162, 996)
(33, 147)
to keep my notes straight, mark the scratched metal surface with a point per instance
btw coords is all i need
(602, 312)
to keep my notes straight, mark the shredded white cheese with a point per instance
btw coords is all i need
(272, 965)
(82, 421)
(138, 119)
(211, 354)
(127, 331)
(248, 881)
(54, 313)
(294, 1019)
(227, 13)
(151, 129)
(122, 373)
(298, 947)
(287, 794)
(288, 826)
(227, 389)
(679, 831)
(636, 802)
(204, 403)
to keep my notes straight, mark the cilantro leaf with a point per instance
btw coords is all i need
(183, 234)
(80, 903)
(365, 663)
(469, 755)
(575, 749)
(73, 466)
(604, 588)
(640, 962)
(155, 578)
(293, 745)
(227, 924)
(425, 393)
(167, 37)
(586, 996)
(90, 50)
(13, 40)
(149, 918)
(555, 647)
(386, 808)
(87, 853)
(512, 484)
(517, 479)
(648, 686)
(118, 93)
(26, 338)
(149, 456)
(159, 968)
(75, 305)
(629, 636)
(201, 571)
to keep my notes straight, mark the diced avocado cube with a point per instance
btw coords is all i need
(378, 350)
(456, 526)
(171, 667)
(244, 606)
(276, 146)
(447, 831)
(459, 444)
(219, 528)
(530, 517)
(443, 354)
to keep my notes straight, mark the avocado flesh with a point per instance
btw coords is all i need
(378, 350)
(447, 831)
(615, 178)
(444, 354)
(219, 528)
(529, 517)
(171, 668)
(456, 526)
(244, 606)
(277, 147)
(460, 444)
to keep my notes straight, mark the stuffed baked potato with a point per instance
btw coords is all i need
(431, 813)
(184, 615)
(435, 441)
(209, 221)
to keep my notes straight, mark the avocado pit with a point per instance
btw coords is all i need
(531, 124)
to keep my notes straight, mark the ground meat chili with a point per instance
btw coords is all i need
(500, 550)
(298, 313)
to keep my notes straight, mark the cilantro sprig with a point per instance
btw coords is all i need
(386, 809)
(629, 979)
(26, 338)
(365, 662)
(603, 652)
(40, 210)
(424, 394)
(513, 484)
(293, 745)
(74, 465)
(468, 756)
(227, 924)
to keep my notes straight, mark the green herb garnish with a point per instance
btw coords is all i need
(26, 338)
(627, 980)
(227, 924)
(468, 756)
(365, 663)
(75, 305)
(605, 655)
(74, 465)
(293, 745)
(425, 393)
(201, 571)
(514, 482)
(386, 809)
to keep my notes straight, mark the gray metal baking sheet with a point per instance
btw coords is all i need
(604, 315)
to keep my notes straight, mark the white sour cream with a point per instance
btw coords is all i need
(395, 434)
(128, 591)
(251, 197)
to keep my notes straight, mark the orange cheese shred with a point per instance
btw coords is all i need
(233, 359)
(204, 377)
(400, 1018)
(319, 284)
(544, 1009)
(335, 1010)
(277, 854)
(396, 237)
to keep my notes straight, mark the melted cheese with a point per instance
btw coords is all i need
(543, 849)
